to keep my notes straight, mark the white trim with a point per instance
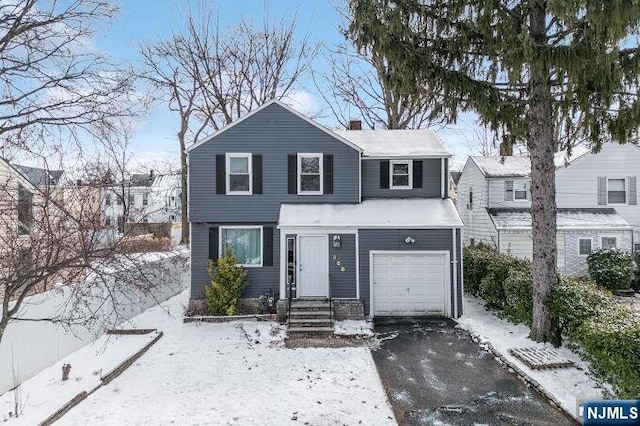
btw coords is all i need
(454, 281)
(318, 230)
(567, 228)
(260, 227)
(360, 178)
(462, 274)
(283, 265)
(615, 237)
(260, 108)
(400, 157)
(409, 164)
(447, 273)
(442, 178)
(326, 263)
(592, 248)
(228, 157)
(357, 265)
(626, 190)
(320, 157)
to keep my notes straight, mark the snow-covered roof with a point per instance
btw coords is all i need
(396, 143)
(604, 218)
(562, 159)
(505, 166)
(166, 181)
(391, 213)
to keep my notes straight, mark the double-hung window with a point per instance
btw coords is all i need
(245, 243)
(616, 191)
(25, 211)
(239, 179)
(609, 242)
(520, 190)
(310, 174)
(584, 246)
(401, 174)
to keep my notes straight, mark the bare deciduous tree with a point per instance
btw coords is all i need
(211, 76)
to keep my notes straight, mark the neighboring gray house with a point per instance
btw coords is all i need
(363, 217)
(596, 195)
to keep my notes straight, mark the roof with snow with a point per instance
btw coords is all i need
(39, 177)
(396, 143)
(166, 181)
(603, 218)
(391, 213)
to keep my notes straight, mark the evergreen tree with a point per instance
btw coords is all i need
(523, 66)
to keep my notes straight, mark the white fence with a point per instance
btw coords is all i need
(28, 347)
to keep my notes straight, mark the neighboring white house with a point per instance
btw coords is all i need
(596, 195)
(148, 198)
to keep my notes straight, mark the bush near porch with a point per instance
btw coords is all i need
(227, 284)
(588, 315)
(611, 268)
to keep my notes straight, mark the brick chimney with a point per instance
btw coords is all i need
(355, 125)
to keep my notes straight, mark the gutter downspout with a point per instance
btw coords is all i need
(455, 273)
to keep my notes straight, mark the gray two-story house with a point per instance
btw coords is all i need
(358, 216)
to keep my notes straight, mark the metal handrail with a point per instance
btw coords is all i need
(330, 300)
(289, 308)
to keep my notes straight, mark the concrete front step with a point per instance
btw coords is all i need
(310, 315)
(307, 322)
(298, 332)
(311, 306)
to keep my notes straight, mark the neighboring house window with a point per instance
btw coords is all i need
(310, 174)
(616, 191)
(107, 221)
(25, 211)
(520, 190)
(401, 172)
(132, 199)
(119, 201)
(584, 246)
(145, 199)
(246, 243)
(145, 220)
(238, 174)
(609, 242)
(470, 204)
(172, 218)
(107, 200)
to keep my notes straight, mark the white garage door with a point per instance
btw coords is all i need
(410, 283)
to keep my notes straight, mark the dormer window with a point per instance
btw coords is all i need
(401, 174)
(239, 177)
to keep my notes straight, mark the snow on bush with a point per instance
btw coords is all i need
(610, 268)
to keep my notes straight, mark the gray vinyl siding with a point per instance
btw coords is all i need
(431, 181)
(477, 222)
(259, 278)
(273, 133)
(343, 284)
(393, 239)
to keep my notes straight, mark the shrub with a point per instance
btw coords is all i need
(635, 283)
(518, 291)
(476, 265)
(500, 267)
(227, 285)
(608, 332)
(610, 268)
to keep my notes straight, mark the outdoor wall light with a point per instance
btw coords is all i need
(336, 241)
(409, 240)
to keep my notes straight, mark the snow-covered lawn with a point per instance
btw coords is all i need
(231, 373)
(357, 328)
(567, 385)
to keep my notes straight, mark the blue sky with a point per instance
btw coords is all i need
(147, 20)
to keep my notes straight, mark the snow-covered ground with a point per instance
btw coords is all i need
(357, 328)
(567, 385)
(235, 373)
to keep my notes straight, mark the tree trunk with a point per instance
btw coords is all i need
(543, 189)
(183, 194)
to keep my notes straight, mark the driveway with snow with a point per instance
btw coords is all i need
(434, 373)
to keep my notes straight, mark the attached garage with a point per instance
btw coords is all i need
(410, 283)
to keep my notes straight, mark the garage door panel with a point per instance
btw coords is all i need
(408, 283)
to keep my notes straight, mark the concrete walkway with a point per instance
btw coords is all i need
(434, 373)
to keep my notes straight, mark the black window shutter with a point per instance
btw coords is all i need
(213, 243)
(256, 161)
(417, 173)
(328, 173)
(267, 246)
(384, 175)
(292, 162)
(221, 183)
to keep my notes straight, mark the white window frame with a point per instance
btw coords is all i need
(221, 249)
(615, 238)
(321, 170)
(626, 190)
(228, 157)
(409, 163)
(590, 242)
(525, 184)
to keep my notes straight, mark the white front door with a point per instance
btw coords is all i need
(313, 266)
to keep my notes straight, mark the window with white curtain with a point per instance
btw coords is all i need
(245, 242)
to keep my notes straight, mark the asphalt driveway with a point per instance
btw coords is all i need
(435, 374)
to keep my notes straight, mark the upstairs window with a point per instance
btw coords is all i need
(25, 211)
(145, 199)
(401, 174)
(310, 177)
(470, 203)
(239, 174)
(107, 200)
(616, 191)
(520, 191)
